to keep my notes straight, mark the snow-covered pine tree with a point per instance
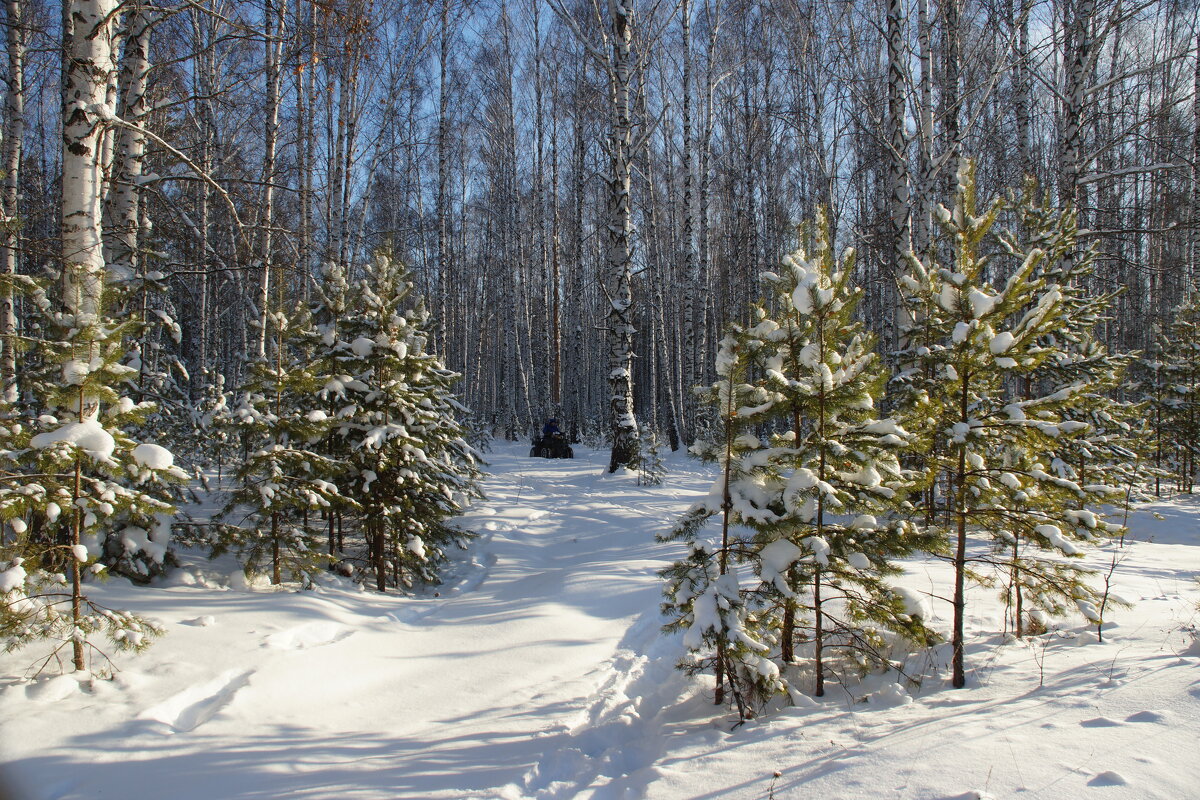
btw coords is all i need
(830, 536)
(405, 462)
(1180, 349)
(704, 596)
(970, 344)
(1116, 441)
(1151, 373)
(158, 375)
(284, 477)
(212, 422)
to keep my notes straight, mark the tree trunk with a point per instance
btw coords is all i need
(10, 162)
(622, 421)
(124, 198)
(87, 41)
(898, 231)
(275, 16)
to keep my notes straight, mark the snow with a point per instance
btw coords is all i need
(362, 346)
(776, 557)
(1000, 342)
(981, 304)
(89, 436)
(153, 456)
(13, 577)
(74, 372)
(537, 671)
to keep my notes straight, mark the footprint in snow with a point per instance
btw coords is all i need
(312, 634)
(1108, 778)
(1099, 722)
(191, 708)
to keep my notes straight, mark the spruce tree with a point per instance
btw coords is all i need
(405, 465)
(284, 478)
(78, 493)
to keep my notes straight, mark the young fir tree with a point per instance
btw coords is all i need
(970, 344)
(405, 462)
(284, 478)
(77, 492)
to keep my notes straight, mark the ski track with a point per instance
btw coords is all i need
(193, 707)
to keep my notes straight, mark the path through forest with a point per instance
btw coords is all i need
(537, 672)
(477, 691)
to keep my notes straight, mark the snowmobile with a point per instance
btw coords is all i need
(551, 445)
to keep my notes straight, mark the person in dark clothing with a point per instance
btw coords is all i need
(550, 428)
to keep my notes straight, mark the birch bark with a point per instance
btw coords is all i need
(10, 156)
(124, 198)
(87, 43)
(623, 423)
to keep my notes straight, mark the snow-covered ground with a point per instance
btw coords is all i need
(537, 671)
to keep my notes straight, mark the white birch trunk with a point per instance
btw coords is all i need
(1192, 273)
(124, 198)
(10, 158)
(691, 264)
(923, 202)
(274, 13)
(1078, 35)
(898, 233)
(86, 108)
(622, 421)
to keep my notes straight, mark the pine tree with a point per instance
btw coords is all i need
(406, 466)
(212, 422)
(704, 594)
(1180, 349)
(808, 472)
(1150, 373)
(970, 344)
(1115, 444)
(650, 467)
(834, 460)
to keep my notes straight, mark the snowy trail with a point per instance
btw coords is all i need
(475, 693)
(538, 673)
